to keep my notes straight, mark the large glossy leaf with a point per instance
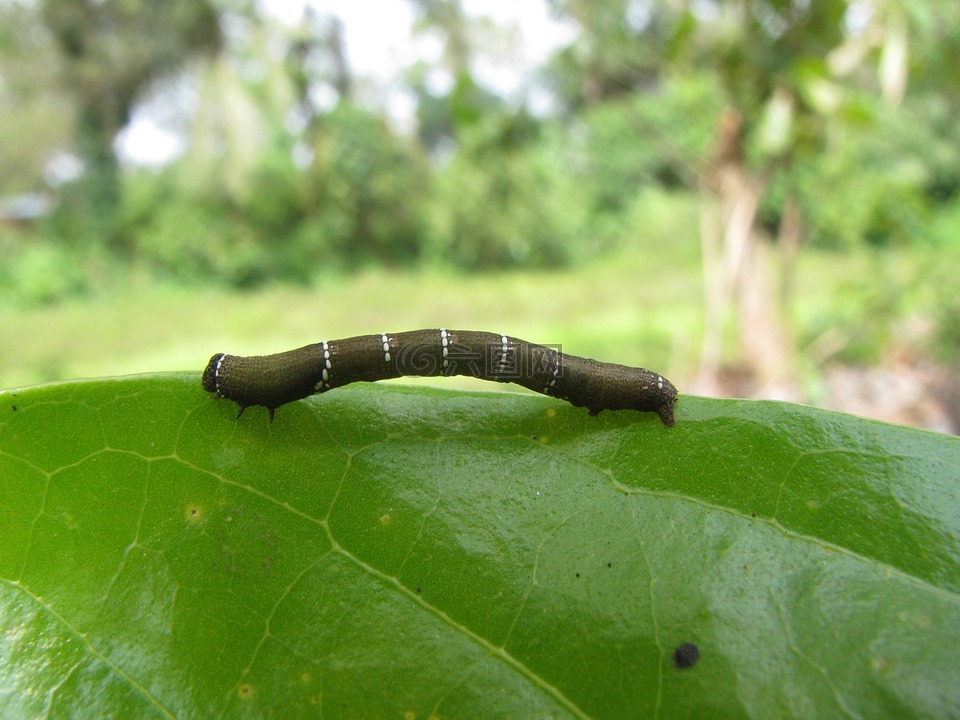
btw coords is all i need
(382, 551)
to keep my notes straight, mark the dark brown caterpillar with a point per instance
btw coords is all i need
(274, 380)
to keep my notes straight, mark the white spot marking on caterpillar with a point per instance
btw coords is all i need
(659, 382)
(386, 347)
(556, 374)
(504, 349)
(216, 373)
(443, 344)
(327, 367)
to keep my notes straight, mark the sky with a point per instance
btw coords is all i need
(379, 51)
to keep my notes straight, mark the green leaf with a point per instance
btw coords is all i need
(382, 551)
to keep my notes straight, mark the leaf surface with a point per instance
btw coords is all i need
(383, 551)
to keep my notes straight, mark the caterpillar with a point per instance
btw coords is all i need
(274, 380)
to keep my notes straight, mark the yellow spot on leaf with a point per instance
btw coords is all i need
(245, 690)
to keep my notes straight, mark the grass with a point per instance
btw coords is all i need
(601, 310)
(636, 309)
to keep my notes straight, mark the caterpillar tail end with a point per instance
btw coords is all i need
(665, 412)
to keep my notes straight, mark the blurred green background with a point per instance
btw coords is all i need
(757, 198)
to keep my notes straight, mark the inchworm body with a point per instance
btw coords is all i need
(274, 380)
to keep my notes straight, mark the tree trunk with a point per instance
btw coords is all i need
(737, 266)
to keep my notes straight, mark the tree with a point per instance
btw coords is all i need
(34, 117)
(444, 117)
(783, 66)
(622, 48)
(111, 51)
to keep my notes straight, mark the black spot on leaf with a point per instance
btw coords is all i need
(686, 655)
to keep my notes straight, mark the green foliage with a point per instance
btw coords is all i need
(509, 198)
(385, 551)
(192, 244)
(887, 181)
(35, 120)
(36, 271)
(942, 291)
(360, 201)
(365, 193)
(864, 315)
(623, 46)
(191, 240)
(274, 204)
(275, 188)
(110, 52)
(907, 309)
(639, 141)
